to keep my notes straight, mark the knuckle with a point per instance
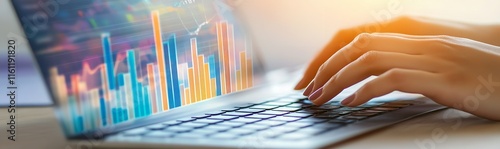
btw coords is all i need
(396, 76)
(369, 57)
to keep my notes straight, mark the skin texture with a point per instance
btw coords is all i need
(454, 64)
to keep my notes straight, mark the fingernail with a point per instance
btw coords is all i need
(348, 100)
(309, 88)
(316, 94)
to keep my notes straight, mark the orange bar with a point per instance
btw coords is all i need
(208, 87)
(188, 95)
(250, 72)
(155, 16)
(74, 86)
(220, 44)
(243, 68)
(152, 85)
(238, 80)
(191, 85)
(214, 87)
(227, 68)
(194, 58)
(201, 73)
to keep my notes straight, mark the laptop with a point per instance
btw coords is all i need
(182, 74)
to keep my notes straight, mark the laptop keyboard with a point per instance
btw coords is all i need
(287, 118)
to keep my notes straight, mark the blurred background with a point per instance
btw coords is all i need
(287, 32)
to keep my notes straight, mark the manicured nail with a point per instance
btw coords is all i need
(348, 100)
(309, 88)
(316, 94)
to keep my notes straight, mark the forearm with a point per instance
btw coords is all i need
(428, 26)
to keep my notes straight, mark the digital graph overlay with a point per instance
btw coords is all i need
(115, 65)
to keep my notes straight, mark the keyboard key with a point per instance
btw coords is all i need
(312, 111)
(218, 127)
(311, 120)
(245, 105)
(384, 108)
(193, 125)
(230, 109)
(287, 109)
(327, 126)
(276, 103)
(171, 123)
(360, 113)
(350, 109)
(222, 117)
(325, 107)
(237, 114)
(207, 121)
(256, 116)
(136, 131)
(267, 107)
(224, 136)
(254, 127)
(250, 110)
(300, 115)
(395, 105)
(297, 105)
(200, 116)
(178, 129)
(264, 134)
(186, 119)
(215, 113)
(326, 116)
(348, 117)
(273, 113)
(286, 119)
(158, 134)
(205, 131)
(287, 99)
(156, 126)
(245, 120)
(283, 129)
(270, 123)
(231, 123)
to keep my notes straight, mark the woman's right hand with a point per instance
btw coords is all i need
(402, 25)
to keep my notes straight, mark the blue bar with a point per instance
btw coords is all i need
(211, 64)
(174, 98)
(103, 111)
(140, 101)
(108, 60)
(147, 104)
(217, 74)
(133, 80)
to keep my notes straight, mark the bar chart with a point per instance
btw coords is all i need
(169, 68)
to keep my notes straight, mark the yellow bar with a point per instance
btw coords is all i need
(250, 72)
(243, 68)
(187, 95)
(214, 87)
(191, 85)
(238, 80)
(159, 55)
(194, 53)
(202, 77)
(207, 80)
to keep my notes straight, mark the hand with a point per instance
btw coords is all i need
(455, 72)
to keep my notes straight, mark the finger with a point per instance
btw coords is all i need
(339, 40)
(376, 63)
(405, 80)
(362, 44)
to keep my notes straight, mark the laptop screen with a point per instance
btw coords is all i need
(111, 61)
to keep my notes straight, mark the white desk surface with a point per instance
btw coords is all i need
(37, 128)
